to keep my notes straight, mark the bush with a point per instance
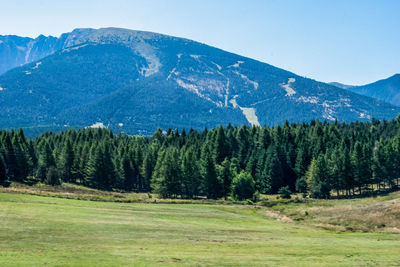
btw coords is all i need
(5, 183)
(250, 202)
(243, 186)
(53, 176)
(285, 192)
(256, 196)
(321, 190)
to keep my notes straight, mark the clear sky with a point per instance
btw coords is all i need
(349, 41)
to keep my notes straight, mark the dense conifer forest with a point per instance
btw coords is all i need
(319, 159)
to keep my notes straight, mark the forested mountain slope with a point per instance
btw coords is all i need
(387, 90)
(136, 81)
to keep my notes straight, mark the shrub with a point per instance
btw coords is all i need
(5, 183)
(321, 190)
(53, 176)
(249, 202)
(243, 186)
(256, 196)
(285, 192)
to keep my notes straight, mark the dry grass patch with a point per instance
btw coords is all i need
(376, 217)
(73, 191)
(278, 216)
(374, 214)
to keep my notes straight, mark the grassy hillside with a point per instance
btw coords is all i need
(37, 230)
(372, 214)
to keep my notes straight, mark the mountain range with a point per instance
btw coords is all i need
(341, 85)
(135, 81)
(387, 89)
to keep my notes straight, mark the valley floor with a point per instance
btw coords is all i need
(38, 230)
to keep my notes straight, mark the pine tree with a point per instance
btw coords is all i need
(311, 176)
(167, 177)
(316, 178)
(80, 164)
(66, 162)
(259, 170)
(243, 145)
(100, 172)
(94, 167)
(128, 174)
(273, 171)
(379, 171)
(146, 170)
(212, 185)
(10, 158)
(46, 159)
(107, 180)
(301, 162)
(396, 154)
(225, 175)
(191, 174)
(346, 180)
(360, 165)
(22, 160)
(220, 150)
(235, 166)
(390, 157)
(3, 176)
(251, 166)
(31, 152)
(301, 186)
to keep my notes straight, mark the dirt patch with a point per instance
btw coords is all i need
(278, 216)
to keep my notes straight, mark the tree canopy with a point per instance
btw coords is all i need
(316, 159)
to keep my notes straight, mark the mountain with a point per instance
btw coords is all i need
(387, 90)
(136, 81)
(341, 85)
(16, 51)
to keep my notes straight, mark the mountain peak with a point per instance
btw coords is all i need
(108, 32)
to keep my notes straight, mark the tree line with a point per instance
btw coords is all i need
(317, 159)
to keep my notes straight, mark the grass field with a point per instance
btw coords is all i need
(39, 231)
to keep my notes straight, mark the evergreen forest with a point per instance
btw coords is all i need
(317, 159)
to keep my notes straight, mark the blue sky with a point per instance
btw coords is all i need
(350, 41)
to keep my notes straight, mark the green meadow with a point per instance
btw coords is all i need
(53, 231)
